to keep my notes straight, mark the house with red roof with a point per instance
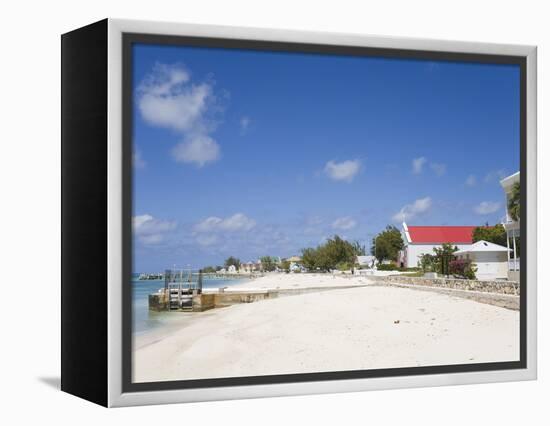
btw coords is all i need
(421, 240)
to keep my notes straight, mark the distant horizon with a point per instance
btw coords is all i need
(252, 153)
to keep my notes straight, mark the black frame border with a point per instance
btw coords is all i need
(129, 39)
(84, 234)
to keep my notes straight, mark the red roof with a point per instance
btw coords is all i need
(441, 234)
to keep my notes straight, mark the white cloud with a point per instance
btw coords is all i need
(245, 124)
(200, 149)
(149, 230)
(167, 98)
(313, 220)
(237, 222)
(208, 225)
(487, 207)
(418, 165)
(494, 175)
(207, 240)
(438, 168)
(344, 223)
(410, 211)
(138, 161)
(312, 225)
(152, 239)
(471, 180)
(344, 171)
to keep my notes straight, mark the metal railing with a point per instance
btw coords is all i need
(181, 279)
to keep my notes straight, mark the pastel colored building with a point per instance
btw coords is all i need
(248, 267)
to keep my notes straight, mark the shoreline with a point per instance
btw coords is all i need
(283, 281)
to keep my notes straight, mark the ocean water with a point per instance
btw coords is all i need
(145, 320)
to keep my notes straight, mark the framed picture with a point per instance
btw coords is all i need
(250, 212)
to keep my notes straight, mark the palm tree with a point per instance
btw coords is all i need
(514, 202)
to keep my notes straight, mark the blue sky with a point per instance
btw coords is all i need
(250, 153)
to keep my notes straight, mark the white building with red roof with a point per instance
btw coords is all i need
(421, 240)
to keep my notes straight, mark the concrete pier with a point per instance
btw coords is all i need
(210, 300)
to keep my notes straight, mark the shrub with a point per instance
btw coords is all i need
(394, 267)
(427, 263)
(344, 266)
(387, 267)
(285, 266)
(462, 268)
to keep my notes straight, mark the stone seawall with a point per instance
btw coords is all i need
(205, 301)
(498, 287)
(232, 297)
(158, 302)
(504, 294)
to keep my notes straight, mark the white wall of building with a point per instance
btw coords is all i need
(414, 251)
(490, 265)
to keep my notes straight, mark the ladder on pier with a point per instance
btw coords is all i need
(180, 299)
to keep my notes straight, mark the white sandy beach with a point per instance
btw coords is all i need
(345, 329)
(276, 281)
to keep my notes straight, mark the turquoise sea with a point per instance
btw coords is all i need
(145, 320)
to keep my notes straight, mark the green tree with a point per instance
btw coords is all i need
(208, 269)
(494, 234)
(232, 261)
(387, 244)
(335, 252)
(359, 249)
(514, 202)
(285, 265)
(309, 258)
(427, 262)
(268, 263)
(443, 256)
(339, 252)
